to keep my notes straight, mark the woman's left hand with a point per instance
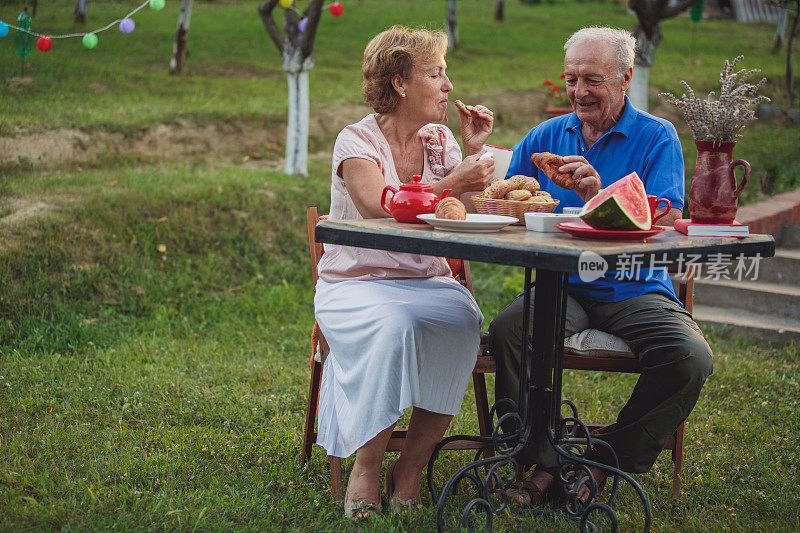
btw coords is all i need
(476, 129)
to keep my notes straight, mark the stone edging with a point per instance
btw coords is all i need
(770, 215)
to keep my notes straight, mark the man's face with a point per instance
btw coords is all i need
(594, 88)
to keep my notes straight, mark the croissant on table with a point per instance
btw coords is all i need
(451, 208)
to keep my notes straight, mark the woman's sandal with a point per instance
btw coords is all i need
(359, 509)
(396, 505)
(535, 488)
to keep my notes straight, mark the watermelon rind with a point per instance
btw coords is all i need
(621, 206)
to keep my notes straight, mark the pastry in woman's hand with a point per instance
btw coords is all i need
(549, 164)
(461, 107)
(451, 208)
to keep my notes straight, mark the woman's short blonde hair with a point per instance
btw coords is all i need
(396, 51)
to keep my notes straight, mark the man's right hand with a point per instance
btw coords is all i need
(589, 183)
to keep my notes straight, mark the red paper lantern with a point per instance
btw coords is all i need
(336, 9)
(44, 44)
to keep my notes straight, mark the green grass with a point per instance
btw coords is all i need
(143, 389)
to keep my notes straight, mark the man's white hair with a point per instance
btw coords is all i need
(622, 41)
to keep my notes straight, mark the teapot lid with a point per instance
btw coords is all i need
(416, 186)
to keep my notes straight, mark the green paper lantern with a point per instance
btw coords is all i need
(157, 5)
(90, 40)
(696, 12)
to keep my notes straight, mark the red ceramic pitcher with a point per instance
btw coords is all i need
(713, 194)
(412, 199)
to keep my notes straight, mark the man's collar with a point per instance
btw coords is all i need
(624, 125)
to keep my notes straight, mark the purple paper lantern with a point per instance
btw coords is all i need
(126, 25)
(301, 24)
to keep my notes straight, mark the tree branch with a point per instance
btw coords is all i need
(265, 11)
(313, 13)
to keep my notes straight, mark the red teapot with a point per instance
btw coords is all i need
(412, 199)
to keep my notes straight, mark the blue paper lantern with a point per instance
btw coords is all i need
(3, 29)
(126, 25)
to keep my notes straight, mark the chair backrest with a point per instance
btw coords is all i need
(315, 249)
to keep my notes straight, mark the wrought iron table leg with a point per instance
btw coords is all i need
(539, 427)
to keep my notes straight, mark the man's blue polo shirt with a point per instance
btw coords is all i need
(639, 142)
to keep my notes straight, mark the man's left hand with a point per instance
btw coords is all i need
(589, 182)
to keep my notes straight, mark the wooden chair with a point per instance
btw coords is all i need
(320, 350)
(630, 364)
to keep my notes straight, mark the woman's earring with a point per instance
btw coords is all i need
(403, 95)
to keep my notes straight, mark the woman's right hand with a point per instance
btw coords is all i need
(471, 174)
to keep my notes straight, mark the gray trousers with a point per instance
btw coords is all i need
(675, 358)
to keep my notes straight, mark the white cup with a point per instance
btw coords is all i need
(502, 160)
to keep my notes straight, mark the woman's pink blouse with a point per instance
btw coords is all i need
(365, 140)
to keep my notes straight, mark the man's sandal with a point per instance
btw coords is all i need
(534, 489)
(584, 491)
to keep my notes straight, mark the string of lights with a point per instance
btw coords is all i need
(126, 24)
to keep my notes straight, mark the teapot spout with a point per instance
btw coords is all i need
(445, 193)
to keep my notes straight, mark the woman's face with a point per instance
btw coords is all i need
(426, 90)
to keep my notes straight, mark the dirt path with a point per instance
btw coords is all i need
(251, 142)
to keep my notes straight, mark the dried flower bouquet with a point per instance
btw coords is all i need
(722, 118)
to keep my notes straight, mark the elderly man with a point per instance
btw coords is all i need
(604, 139)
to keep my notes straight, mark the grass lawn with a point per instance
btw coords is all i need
(155, 311)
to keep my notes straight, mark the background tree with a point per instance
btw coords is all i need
(451, 25)
(499, 9)
(791, 12)
(179, 48)
(79, 14)
(648, 35)
(296, 47)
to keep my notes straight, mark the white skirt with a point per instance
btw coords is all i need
(393, 344)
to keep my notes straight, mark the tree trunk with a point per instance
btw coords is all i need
(638, 89)
(780, 30)
(297, 127)
(499, 9)
(80, 11)
(646, 44)
(452, 25)
(789, 56)
(179, 48)
(296, 48)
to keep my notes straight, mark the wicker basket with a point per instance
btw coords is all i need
(512, 208)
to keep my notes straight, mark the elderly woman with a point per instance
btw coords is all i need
(402, 332)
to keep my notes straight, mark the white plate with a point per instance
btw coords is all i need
(475, 222)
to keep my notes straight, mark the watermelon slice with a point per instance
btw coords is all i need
(620, 206)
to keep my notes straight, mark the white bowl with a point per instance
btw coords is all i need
(535, 221)
(572, 210)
